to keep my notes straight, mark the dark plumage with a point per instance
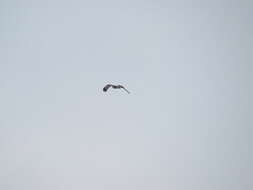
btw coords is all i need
(114, 87)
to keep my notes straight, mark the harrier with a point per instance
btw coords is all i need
(114, 87)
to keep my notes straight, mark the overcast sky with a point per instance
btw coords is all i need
(187, 124)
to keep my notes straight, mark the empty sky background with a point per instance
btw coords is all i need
(187, 124)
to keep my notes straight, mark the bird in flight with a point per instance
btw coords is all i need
(114, 87)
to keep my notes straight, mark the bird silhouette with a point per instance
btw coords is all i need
(114, 87)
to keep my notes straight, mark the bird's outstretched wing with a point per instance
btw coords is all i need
(125, 89)
(106, 87)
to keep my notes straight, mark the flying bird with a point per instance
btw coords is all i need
(114, 87)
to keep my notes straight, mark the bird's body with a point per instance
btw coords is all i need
(114, 87)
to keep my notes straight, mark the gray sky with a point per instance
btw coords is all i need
(186, 124)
